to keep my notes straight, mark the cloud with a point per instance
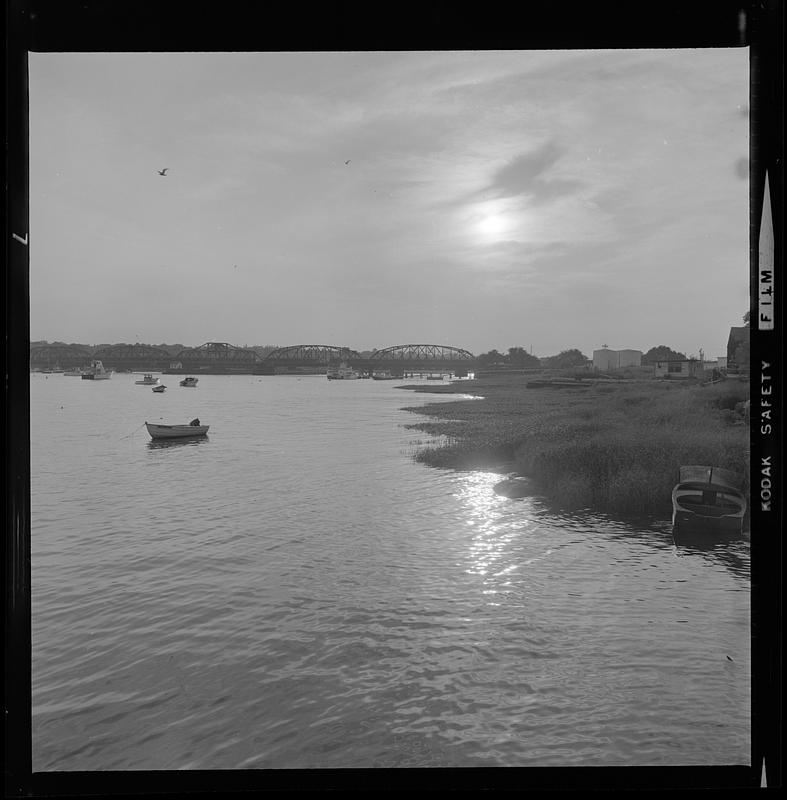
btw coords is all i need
(524, 175)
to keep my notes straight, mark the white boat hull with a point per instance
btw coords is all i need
(175, 431)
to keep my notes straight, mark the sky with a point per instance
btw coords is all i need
(483, 199)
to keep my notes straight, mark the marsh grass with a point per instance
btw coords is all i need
(616, 448)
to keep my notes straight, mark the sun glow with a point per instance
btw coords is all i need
(493, 222)
(492, 225)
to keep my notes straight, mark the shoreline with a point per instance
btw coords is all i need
(613, 447)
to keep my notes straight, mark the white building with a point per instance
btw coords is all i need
(605, 359)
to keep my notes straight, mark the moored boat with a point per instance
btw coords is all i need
(147, 380)
(708, 499)
(342, 372)
(96, 372)
(189, 381)
(194, 428)
(160, 388)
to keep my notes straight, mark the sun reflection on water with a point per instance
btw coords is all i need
(498, 526)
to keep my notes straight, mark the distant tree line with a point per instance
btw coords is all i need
(662, 353)
(262, 350)
(519, 358)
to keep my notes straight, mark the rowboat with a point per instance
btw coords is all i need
(157, 431)
(708, 499)
(189, 382)
(148, 380)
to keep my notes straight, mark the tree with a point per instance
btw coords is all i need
(662, 353)
(492, 357)
(567, 358)
(746, 319)
(519, 357)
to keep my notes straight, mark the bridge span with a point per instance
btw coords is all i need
(222, 358)
(402, 359)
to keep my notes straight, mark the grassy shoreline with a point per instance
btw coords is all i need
(612, 447)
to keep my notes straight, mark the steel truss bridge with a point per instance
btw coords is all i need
(402, 359)
(415, 358)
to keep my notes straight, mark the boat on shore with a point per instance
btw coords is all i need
(708, 500)
(96, 372)
(189, 382)
(342, 372)
(147, 380)
(160, 388)
(194, 428)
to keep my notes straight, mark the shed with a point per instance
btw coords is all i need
(606, 359)
(678, 368)
(738, 350)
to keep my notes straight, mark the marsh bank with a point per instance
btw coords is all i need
(611, 446)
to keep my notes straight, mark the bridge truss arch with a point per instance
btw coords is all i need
(130, 354)
(218, 353)
(312, 355)
(59, 355)
(422, 353)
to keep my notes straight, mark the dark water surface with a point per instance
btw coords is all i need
(294, 591)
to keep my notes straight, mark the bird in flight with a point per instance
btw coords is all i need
(347, 162)
(163, 171)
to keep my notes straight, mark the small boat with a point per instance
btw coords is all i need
(194, 428)
(96, 372)
(342, 373)
(189, 382)
(160, 388)
(708, 499)
(148, 380)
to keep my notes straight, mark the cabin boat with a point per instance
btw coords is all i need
(147, 380)
(160, 388)
(342, 372)
(194, 428)
(189, 382)
(96, 372)
(708, 499)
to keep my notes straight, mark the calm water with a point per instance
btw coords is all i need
(294, 591)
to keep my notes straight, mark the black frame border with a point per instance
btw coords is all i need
(103, 25)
